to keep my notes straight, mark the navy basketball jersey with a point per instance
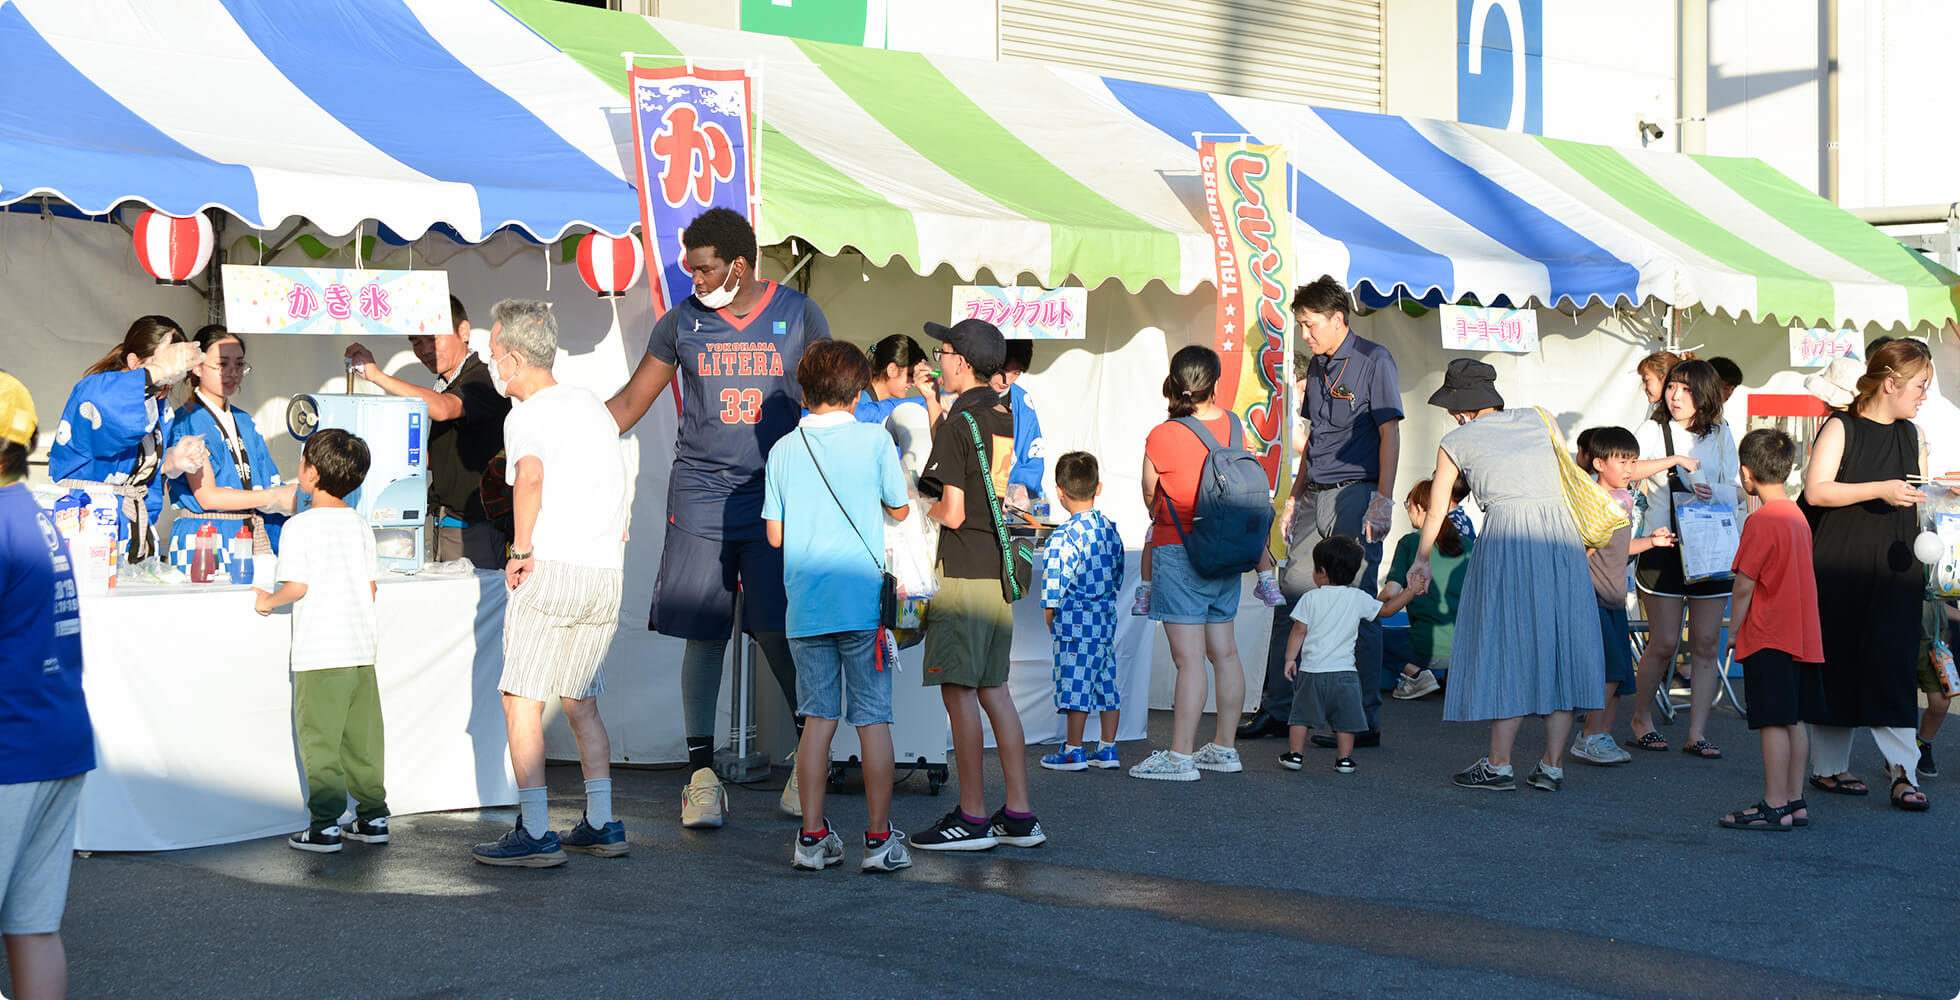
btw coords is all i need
(738, 396)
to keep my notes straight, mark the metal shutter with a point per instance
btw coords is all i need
(1322, 52)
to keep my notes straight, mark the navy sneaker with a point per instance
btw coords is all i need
(606, 842)
(518, 849)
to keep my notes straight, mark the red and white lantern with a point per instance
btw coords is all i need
(173, 248)
(610, 265)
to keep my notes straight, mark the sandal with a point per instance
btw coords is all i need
(1761, 816)
(1796, 806)
(1839, 786)
(1650, 740)
(1899, 799)
(1703, 749)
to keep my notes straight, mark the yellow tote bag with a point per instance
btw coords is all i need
(1594, 510)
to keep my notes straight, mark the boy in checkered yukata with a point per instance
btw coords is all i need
(1082, 570)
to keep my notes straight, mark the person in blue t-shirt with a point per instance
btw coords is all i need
(826, 483)
(1030, 462)
(111, 435)
(240, 478)
(46, 742)
(734, 344)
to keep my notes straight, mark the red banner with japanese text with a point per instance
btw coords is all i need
(693, 140)
(1245, 195)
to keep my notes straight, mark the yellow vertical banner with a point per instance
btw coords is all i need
(1245, 194)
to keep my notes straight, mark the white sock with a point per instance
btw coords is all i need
(1504, 769)
(1266, 576)
(1554, 773)
(1067, 746)
(598, 802)
(533, 808)
(1178, 756)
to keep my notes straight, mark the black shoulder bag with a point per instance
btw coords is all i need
(888, 589)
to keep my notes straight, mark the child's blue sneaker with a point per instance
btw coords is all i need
(519, 849)
(1068, 758)
(600, 842)
(1105, 757)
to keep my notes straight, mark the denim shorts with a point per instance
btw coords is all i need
(840, 665)
(1179, 596)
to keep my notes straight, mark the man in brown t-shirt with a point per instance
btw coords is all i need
(972, 622)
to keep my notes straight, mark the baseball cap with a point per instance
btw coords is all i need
(976, 340)
(17, 419)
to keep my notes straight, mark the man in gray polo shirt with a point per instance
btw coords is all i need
(1353, 407)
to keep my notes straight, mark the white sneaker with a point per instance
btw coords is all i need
(1410, 688)
(828, 850)
(1166, 765)
(1599, 749)
(1212, 757)
(704, 803)
(791, 802)
(888, 857)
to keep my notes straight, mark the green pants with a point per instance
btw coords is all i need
(337, 715)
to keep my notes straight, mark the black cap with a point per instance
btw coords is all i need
(976, 340)
(1469, 385)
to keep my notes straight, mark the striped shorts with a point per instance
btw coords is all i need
(557, 628)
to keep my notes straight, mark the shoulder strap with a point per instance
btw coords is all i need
(993, 502)
(834, 499)
(1205, 436)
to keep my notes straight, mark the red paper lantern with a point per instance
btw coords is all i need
(610, 265)
(173, 248)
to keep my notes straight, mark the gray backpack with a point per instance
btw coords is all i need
(1233, 512)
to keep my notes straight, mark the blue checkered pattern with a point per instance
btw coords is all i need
(1082, 570)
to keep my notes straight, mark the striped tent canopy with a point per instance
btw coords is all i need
(469, 117)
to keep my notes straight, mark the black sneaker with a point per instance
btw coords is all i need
(954, 833)
(368, 831)
(1290, 760)
(1016, 832)
(1927, 768)
(325, 841)
(1483, 775)
(1345, 765)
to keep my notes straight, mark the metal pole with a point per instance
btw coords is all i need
(1832, 178)
(1691, 56)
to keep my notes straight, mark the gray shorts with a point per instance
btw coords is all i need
(37, 839)
(1328, 701)
(557, 628)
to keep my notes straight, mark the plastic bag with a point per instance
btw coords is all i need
(912, 550)
(1708, 535)
(1940, 514)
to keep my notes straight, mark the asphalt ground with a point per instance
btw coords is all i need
(1387, 882)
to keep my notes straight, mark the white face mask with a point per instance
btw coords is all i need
(720, 297)
(496, 376)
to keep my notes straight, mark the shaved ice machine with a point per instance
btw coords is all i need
(395, 496)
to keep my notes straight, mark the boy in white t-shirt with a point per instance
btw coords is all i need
(1320, 652)
(327, 570)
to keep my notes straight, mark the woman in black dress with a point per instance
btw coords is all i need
(1870, 588)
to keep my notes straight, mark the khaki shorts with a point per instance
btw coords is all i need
(969, 633)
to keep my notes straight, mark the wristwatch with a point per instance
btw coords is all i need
(516, 555)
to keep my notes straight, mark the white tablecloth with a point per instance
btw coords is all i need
(192, 705)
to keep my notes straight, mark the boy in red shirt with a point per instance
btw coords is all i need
(1774, 632)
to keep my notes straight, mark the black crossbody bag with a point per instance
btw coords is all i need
(888, 589)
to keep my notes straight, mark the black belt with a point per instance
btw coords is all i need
(1324, 487)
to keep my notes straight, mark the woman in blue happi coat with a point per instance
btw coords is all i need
(239, 479)
(112, 432)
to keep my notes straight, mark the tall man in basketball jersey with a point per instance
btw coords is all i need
(735, 343)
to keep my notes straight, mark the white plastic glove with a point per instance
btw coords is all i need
(187, 455)
(172, 362)
(279, 500)
(1381, 512)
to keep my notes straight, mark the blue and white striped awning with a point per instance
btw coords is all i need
(473, 116)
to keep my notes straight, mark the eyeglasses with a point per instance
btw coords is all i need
(233, 366)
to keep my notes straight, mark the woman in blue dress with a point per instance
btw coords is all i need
(112, 431)
(240, 477)
(1527, 636)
